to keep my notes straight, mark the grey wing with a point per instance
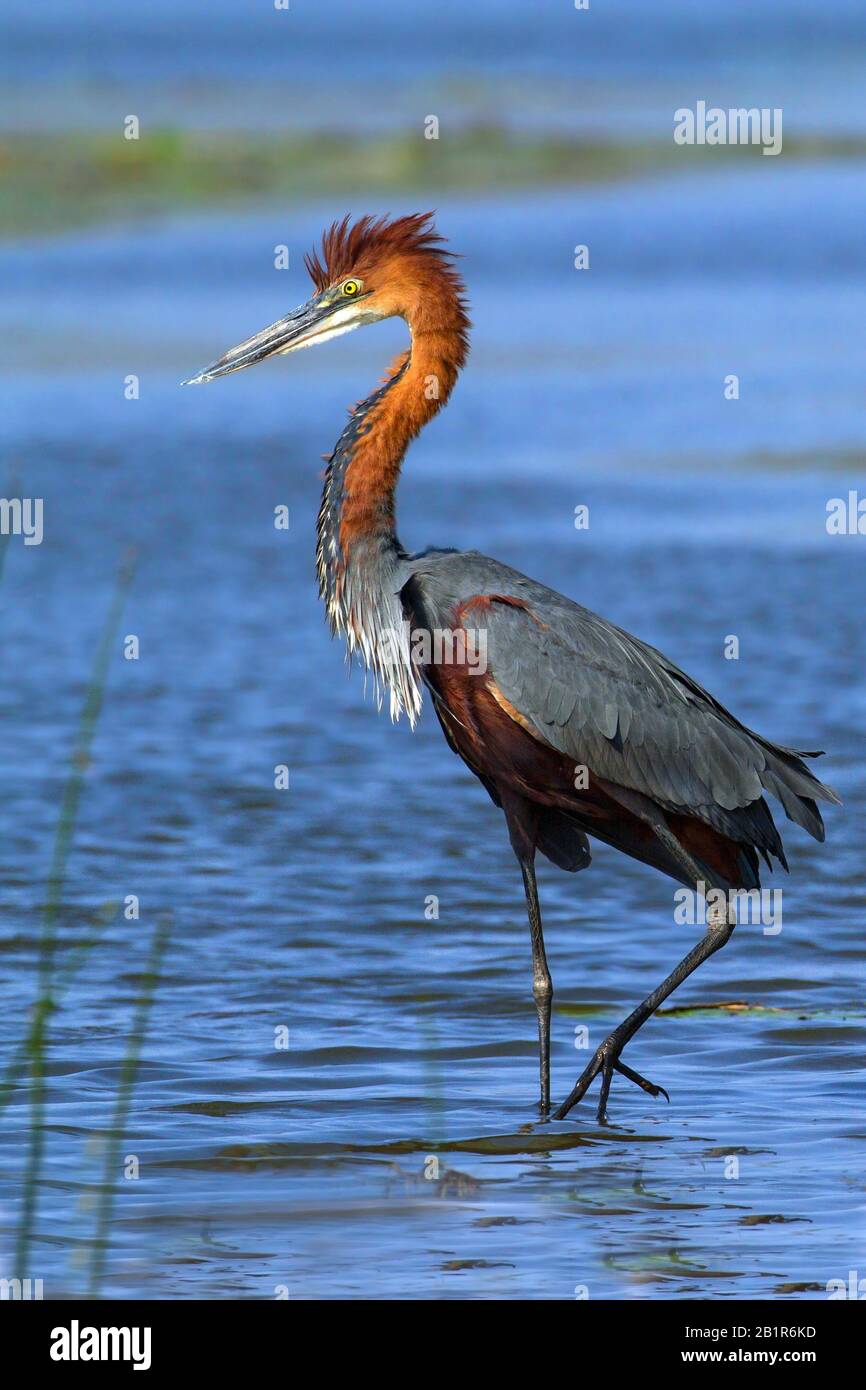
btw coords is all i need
(619, 707)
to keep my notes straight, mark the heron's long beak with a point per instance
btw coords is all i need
(318, 319)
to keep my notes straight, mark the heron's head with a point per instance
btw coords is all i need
(366, 271)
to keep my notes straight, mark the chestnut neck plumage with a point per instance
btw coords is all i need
(359, 557)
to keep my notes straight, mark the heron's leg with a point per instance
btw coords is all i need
(606, 1058)
(542, 985)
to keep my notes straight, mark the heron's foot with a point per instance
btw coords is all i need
(606, 1061)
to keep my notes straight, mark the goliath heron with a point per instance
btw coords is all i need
(574, 727)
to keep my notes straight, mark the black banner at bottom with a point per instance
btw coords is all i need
(71, 1338)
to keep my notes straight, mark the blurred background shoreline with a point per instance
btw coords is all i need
(85, 179)
(242, 104)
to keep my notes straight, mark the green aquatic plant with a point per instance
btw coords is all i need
(123, 1100)
(35, 1042)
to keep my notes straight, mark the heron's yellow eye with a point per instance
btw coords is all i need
(351, 287)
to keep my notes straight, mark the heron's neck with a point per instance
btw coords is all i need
(358, 553)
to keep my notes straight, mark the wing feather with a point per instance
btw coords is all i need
(618, 706)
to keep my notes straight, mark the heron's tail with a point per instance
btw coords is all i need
(787, 778)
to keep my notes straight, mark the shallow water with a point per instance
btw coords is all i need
(412, 1039)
